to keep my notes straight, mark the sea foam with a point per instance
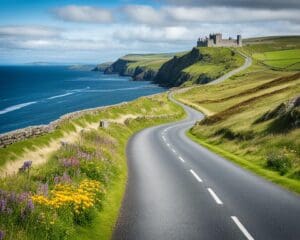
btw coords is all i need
(15, 107)
(61, 95)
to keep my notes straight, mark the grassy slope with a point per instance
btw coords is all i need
(147, 61)
(235, 104)
(200, 65)
(278, 53)
(216, 62)
(156, 110)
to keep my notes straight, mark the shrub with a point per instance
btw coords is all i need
(226, 133)
(230, 135)
(278, 162)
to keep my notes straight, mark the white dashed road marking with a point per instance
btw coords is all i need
(242, 228)
(215, 197)
(181, 159)
(196, 176)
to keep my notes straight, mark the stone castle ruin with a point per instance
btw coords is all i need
(215, 40)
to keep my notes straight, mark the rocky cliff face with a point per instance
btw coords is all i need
(143, 74)
(101, 67)
(171, 74)
(118, 67)
(121, 67)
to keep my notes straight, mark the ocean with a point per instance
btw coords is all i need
(33, 95)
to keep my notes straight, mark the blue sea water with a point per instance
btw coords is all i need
(32, 95)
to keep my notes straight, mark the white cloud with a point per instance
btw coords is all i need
(224, 14)
(89, 14)
(174, 15)
(256, 4)
(29, 31)
(144, 14)
(140, 29)
(153, 34)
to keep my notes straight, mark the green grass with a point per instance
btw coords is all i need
(234, 105)
(198, 66)
(284, 59)
(147, 61)
(216, 62)
(267, 44)
(110, 145)
(272, 176)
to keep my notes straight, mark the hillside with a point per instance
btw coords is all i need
(255, 115)
(277, 53)
(138, 66)
(199, 66)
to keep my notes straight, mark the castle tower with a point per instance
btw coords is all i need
(218, 38)
(239, 40)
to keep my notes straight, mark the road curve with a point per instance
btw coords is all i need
(178, 189)
(247, 63)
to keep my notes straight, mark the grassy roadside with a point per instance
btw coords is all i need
(105, 221)
(272, 176)
(77, 193)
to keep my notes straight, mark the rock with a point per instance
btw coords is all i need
(104, 124)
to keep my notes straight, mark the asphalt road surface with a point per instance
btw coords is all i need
(178, 189)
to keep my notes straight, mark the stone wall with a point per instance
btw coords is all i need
(35, 131)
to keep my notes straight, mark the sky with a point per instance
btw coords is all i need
(95, 31)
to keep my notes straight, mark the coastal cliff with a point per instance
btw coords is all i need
(171, 73)
(141, 67)
(198, 66)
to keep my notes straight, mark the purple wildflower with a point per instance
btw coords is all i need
(3, 204)
(2, 235)
(65, 178)
(43, 189)
(26, 166)
(84, 155)
(23, 197)
(30, 205)
(56, 179)
(70, 162)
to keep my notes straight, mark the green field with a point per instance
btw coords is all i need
(284, 59)
(278, 53)
(237, 126)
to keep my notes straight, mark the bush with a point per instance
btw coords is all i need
(226, 133)
(230, 135)
(278, 162)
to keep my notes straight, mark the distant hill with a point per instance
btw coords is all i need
(80, 67)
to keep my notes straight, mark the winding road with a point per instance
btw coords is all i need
(178, 189)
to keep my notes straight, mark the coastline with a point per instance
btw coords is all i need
(21, 134)
(18, 135)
